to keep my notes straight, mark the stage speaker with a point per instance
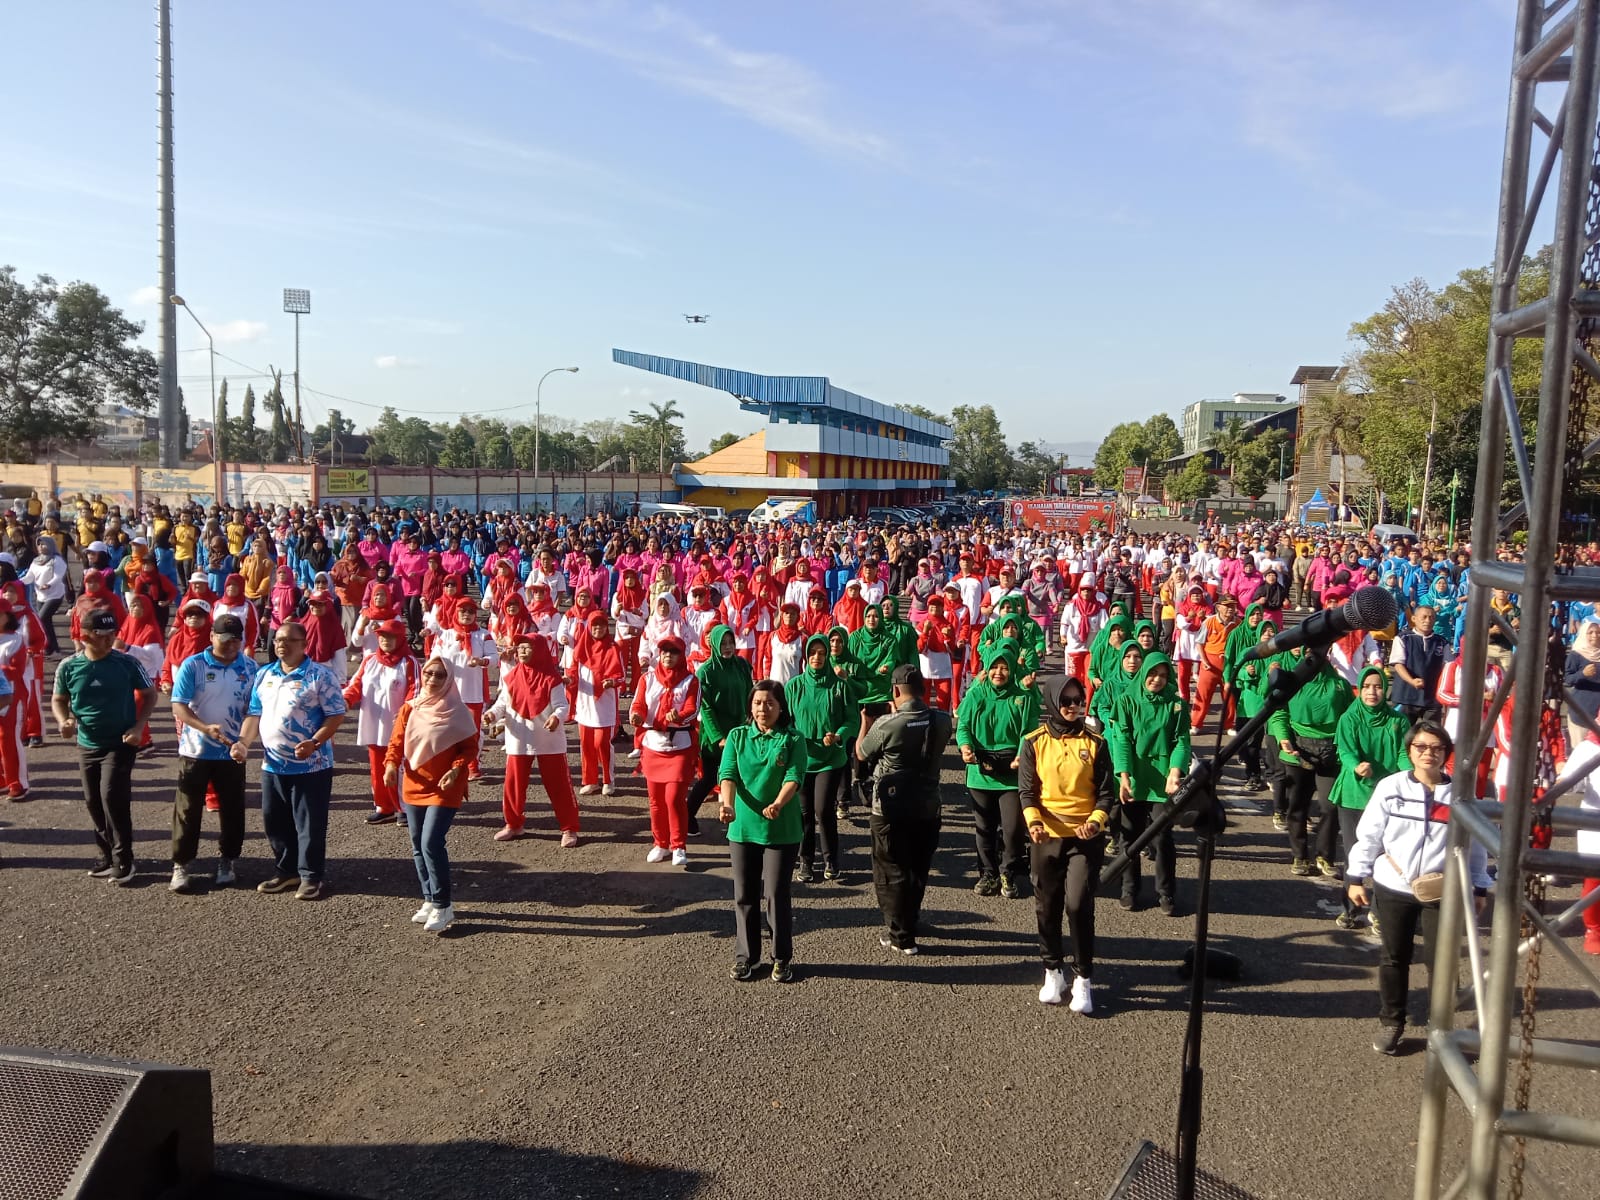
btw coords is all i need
(1152, 1174)
(78, 1128)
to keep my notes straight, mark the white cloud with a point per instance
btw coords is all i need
(393, 362)
(240, 331)
(668, 47)
(146, 297)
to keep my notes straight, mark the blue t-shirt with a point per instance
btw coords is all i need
(219, 694)
(292, 706)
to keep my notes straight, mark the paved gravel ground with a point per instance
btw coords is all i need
(576, 1034)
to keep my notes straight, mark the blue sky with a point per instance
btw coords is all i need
(1080, 211)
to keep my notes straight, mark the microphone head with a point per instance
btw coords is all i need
(1371, 608)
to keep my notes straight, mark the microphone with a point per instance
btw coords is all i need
(1369, 608)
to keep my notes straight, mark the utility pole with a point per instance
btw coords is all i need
(171, 405)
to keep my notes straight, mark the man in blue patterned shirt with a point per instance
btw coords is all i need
(210, 697)
(296, 706)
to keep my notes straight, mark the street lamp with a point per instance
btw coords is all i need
(298, 302)
(1427, 466)
(216, 454)
(538, 412)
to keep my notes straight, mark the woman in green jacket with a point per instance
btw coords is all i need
(763, 765)
(901, 630)
(1103, 708)
(1248, 681)
(876, 647)
(1013, 629)
(820, 704)
(725, 683)
(994, 716)
(1150, 754)
(1105, 652)
(1370, 740)
(1304, 734)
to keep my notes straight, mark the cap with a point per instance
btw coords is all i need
(228, 626)
(97, 547)
(101, 620)
(198, 577)
(203, 605)
(906, 675)
(139, 541)
(397, 628)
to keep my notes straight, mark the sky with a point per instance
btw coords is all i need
(1078, 211)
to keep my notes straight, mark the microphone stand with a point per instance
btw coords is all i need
(1195, 803)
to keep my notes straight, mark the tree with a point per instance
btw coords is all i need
(459, 448)
(244, 438)
(722, 441)
(1032, 467)
(1229, 443)
(1161, 440)
(927, 414)
(387, 435)
(661, 429)
(1192, 483)
(1127, 445)
(64, 351)
(494, 444)
(279, 439)
(220, 447)
(980, 460)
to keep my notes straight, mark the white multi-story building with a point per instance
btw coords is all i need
(1204, 418)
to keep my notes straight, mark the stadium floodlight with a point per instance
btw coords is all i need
(296, 300)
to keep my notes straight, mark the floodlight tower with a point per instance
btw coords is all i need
(298, 302)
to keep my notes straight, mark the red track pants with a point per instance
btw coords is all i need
(13, 754)
(1078, 667)
(553, 777)
(1210, 681)
(630, 661)
(1591, 915)
(475, 767)
(669, 813)
(595, 746)
(1186, 668)
(939, 692)
(383, 796)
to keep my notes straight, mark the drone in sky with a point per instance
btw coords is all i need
(697, 318)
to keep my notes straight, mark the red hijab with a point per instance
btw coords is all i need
(664, 715)
(851, 611)
(324, 631)
(186, 640)
(17, 593)
(630, 594)
(598, 650)
(788, 633)
(139, 627)
(529, 684)
(515, 623)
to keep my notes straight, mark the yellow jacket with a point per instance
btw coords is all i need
(1064, 778)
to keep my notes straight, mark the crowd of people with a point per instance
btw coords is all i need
(802, 674)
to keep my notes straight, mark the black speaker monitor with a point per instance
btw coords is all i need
(79, 1128)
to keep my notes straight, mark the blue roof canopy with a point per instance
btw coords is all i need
(766, 390)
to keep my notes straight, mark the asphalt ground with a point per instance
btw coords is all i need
(576, 1034)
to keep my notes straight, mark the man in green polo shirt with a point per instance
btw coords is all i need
(105, 695)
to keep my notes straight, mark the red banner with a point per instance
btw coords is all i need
(1078, 516)
(1133, 480)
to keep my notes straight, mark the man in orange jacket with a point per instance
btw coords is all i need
(1214, 633)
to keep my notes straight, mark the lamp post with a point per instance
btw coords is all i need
(538, 414)
(1427, 466)
(297, 301)
(216, 432)
(1455, 486)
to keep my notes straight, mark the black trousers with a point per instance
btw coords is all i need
(1349, 819)
(997, 827)
(1310, 781)
(762, 873)
(700, 789)
(107, 774)
(1399, 914)
(47, 611)
(188, 808)
(1131, 819)
(1277, 777)
(1065, 874)
(902, 853)
(819, 814)
(1250, 752)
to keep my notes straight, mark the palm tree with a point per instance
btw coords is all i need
(660, 423)
(1229, 442)
(1333, 426)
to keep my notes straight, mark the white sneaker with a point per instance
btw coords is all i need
(1231, 733)
(1082, 1001)
(588, 789)
(608, 790)
(180, 879)
(633, 754)
(1055, 986)
(658, 854)
(225, 876)
(680, 858)
(423, 913)
(439, 919)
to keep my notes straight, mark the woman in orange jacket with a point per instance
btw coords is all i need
(434, 741)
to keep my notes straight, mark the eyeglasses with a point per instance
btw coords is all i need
(436, 674)
(1065, 703)
(1428, 748)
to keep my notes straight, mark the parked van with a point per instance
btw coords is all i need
(671, 510)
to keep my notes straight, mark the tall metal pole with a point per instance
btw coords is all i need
(171, 413)
(299, 426)
(538, 414)
(179, 301)
(1427, 466)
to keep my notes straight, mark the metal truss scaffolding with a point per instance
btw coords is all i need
(1554, 59)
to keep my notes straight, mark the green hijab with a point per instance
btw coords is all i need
(725, 686)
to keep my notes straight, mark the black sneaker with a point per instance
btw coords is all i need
(1168, 905)
(988, 884)
(741, 972)
(380, 818)
(311, 889)
(103, 871)
(693, 829)
(1127, 900)
(888, 943)
(1346, 921)
(279, 883)
(1255, 784)
(122, 876)
(1387, 1039)
(831, 872)
(1302, 867)
(782, 972)
(803, 872)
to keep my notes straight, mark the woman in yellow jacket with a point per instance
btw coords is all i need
(435, 741)
(1067, 788)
